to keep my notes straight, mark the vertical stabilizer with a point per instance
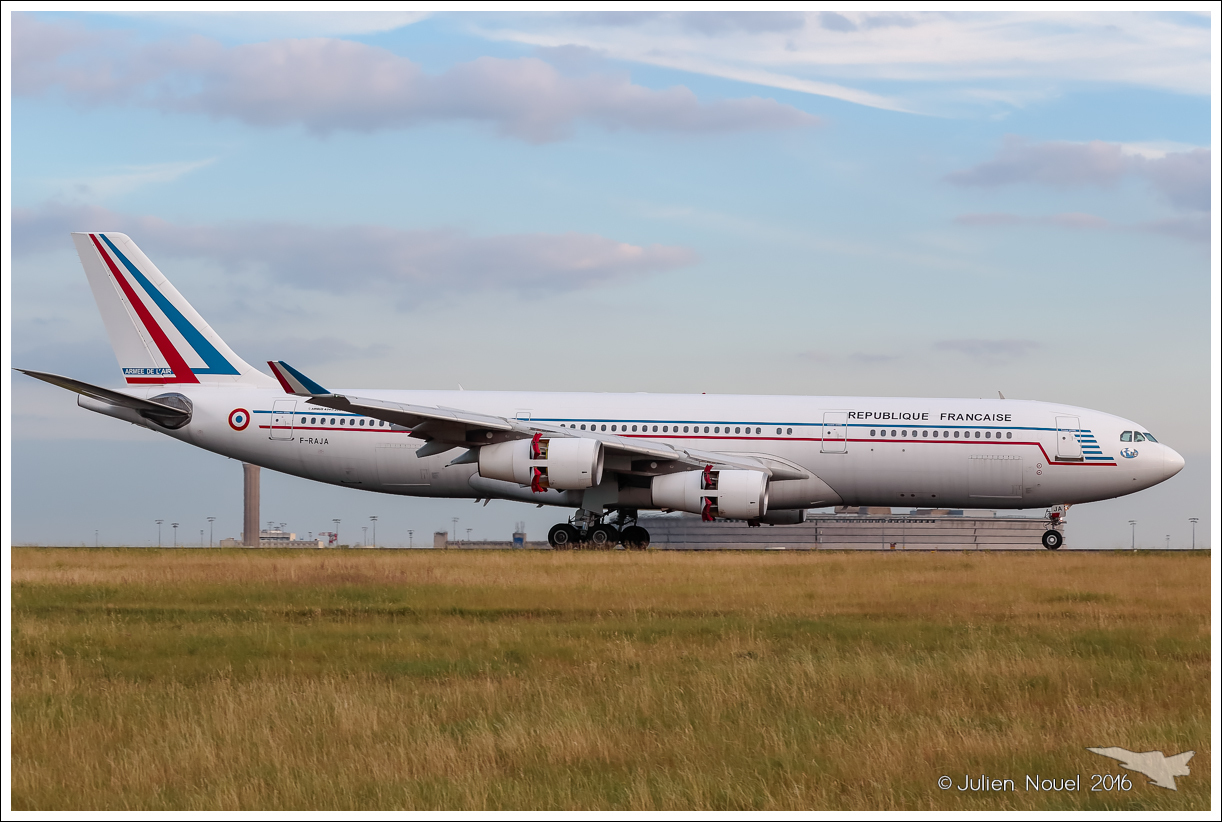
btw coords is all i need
(158, 338)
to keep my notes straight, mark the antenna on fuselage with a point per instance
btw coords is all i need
(1001, 395)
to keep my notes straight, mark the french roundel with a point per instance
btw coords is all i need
(239, 418)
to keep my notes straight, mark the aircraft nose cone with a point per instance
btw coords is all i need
(1173, 463)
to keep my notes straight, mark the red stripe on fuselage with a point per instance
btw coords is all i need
(182, 371)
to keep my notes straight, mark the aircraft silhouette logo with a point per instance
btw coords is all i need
(1161, 769)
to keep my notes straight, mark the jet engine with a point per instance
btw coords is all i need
(734, 494)
(565, 463)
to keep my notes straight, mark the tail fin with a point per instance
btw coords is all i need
(158, 338)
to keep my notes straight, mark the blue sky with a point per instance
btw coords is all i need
(877, 203)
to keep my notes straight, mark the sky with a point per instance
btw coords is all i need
(879, 203)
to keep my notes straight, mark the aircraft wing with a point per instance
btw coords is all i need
(448, 428)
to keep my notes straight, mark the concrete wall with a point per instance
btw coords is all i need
(850, 533)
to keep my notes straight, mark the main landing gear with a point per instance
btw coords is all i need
(588, 531)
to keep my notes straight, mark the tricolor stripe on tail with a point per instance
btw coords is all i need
(294, 382)
(157, 336)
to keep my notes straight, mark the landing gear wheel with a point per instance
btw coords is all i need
(1052, 539)
(635, 538)
(563, 537)
(603, 537)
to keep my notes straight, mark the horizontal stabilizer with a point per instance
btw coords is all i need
(156, 411)
(294, 382)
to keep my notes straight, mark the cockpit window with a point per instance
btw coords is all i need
(1137, 437)
(1127, 436)
(1149, 436)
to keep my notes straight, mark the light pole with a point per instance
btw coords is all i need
(95, 537)
(364, 535)
(210, 521)
(201, 537)
(336, 521)
(1168, 542)
(468, 535)
(455, 537)
(158, 521)
(1194, 521)
(175, 525)
(374, 520)
(409, 538)
(1133, 525)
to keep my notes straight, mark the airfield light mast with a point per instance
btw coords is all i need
(1194, 521)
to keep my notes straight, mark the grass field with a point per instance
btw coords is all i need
(230, 679)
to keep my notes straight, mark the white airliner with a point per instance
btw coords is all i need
(763, 459)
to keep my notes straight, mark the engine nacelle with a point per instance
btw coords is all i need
(566, 463)
(734, 494)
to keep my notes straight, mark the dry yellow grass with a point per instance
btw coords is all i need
(228, 679)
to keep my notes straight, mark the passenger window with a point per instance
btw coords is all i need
(716, 430)
(788, 430)
(977, 435)
(583, 426)
(757, 430)
(956, 435)
(935, 433)
(778, 430)
(904, 433)
(1137, 437)
(873, 432)
(1009, 435)
(988, 435)
(894, 433)
(706, 429)
(685, 429)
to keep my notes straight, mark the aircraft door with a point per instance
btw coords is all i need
(282, 419)
(835, 432)
(1069, 447)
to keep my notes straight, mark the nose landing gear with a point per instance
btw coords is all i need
(1053, 538)
(587, 530)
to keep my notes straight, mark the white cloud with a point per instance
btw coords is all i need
(262, 25)
(330, 84)
(1181, 177)
(1018, 54)
(337, 260)
(123, 181)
